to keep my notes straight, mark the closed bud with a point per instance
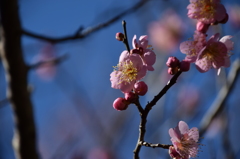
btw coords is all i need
(172, 62)
(130, 97)
(202, 27)
(120, 104)
(119, 36)
(225, 19)
(140, 88)
(172, 71)
(184, 66)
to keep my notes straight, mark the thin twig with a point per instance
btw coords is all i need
(80, 34)
(218, 105)
(125, 40)
(144, 114)
(143, 143)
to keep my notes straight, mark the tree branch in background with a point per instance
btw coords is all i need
(218, 105)
(24, 141)
(82, 33)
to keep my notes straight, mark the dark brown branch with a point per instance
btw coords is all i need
(218, 105)
(125, 40)
(143, 143)
(24, 141)
(144, 114)
(85, 32)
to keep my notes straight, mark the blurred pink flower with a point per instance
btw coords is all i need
(166, 33)
(215, 54)
(206, 11)
(99, 154)
(147, 55)
(193, 47)
(185, 140)
(129, 70)
(46, 71)
(234, 15)
(175, 155)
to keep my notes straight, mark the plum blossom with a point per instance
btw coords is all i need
(185, 140)
(129, 70)
(192, 47)
(174, 154)
(215, 54)
(207, 11)
(143, 49)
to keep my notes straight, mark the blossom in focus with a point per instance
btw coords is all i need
(129, 70)
(185, 140)
(166, 33)
(144, 50)
(174, 154)
(215, 54)
(192, 47)
(206, 11)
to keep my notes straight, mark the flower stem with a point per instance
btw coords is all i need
(125, 41)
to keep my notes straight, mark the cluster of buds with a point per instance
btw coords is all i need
(174, 65)
(132, 67)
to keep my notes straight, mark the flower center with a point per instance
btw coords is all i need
(211, 52)
(129, 72)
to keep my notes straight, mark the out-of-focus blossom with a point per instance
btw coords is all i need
(46, 71)
(174, 154)
(185, 140)
(129, 70)
(193, 47)
(120, 104)
(99, 154)
(140, 88)
(234, 16)
(206, 11)
(147, 55)
(215, 54)
(166, 33)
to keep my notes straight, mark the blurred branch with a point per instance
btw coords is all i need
(82, 33)
(3, 102)
(218, 105)
(144, 114)
(52, 61)
(24, 141)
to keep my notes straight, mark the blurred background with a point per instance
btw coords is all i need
(73, 99)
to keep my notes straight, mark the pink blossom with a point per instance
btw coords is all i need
(215, 54)
(129, 70)
(166, 33)
(193, 47)
(147, 55)
(184, 66)
(174, 154)
(206, 11)
(185, 140)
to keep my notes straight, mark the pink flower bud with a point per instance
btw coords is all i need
(172, 71)
(224, 19)
(120, 104)
(184, 65)
(140, 88)
(130, 97)
(202, 27)
(172, 62)
(134, 51)
(119, 36)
